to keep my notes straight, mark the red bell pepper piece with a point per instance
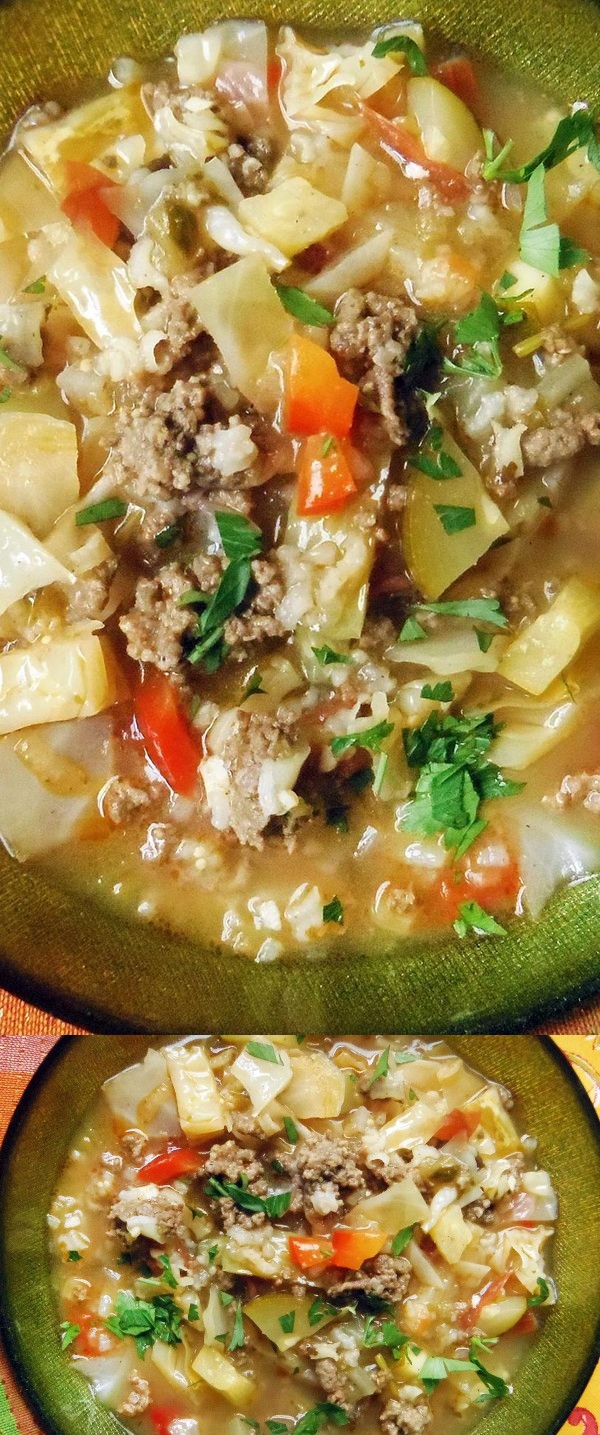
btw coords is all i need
(485, 1296)
(457, 1123)
(167, 735)
(459, 76)
(325, 478)
(309, 1251)
(182, 1161)
(85, 206)
(351, 1248)
(316, 397)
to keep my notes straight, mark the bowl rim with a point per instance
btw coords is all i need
(9, 1146)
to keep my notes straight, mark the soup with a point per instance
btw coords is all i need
(299, 492)
(289, 1235)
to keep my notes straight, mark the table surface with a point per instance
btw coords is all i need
(21, 1055)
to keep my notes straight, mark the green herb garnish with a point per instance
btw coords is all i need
(382, 1067)
(273, 1206)
(403, 1238)
(254, 685)
(240, 538)
(303, 307)
(74, 1256)
(405, 45)
(473, 918)
(327, 655)
(325, 1413)
(5, 394)
(481, 610)
(37, 287)
(238, 1335)
(291, 1130)
(438, 692)
(333, 911)
(453, 518)
(455, 776)
(370, 738)
(573, 132)
(264, 1051)
(287, 1322)
(386, 1334)
(167, 535)
(168, 1275)
(320, 1310)
(411, 631)
(193, 1312)
(146, 1321)
(432, 458)
(100, 512)
(542, 1292)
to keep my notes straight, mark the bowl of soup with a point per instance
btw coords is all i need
(293, 1234)
(298, 509)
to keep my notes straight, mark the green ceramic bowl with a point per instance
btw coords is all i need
(75, 956)
(550, 1102)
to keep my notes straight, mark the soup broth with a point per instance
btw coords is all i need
(299, 524)
(289, 1235)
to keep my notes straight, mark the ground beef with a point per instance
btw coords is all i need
(176, 316)
(565, 436)
(233, 1162)
(399, 1417)
(334, 1384)
(580, 789)
(324, 1170)
(156, 625)
(88, 596)
(260, 619)
(124, 800)
(163, 1206)
(387, 1277)
(138, 1397)
(249, 163)
(251, 739)
(134, 1142)
(370, 342)
(245, 1128)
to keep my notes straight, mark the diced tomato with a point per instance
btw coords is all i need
(273, 73)
(406, 149)
(325, 478)
(85, 206)
(162, 1417)
(308, 1251)
(457, 1123)
(352, 1248)
(167, 735)
(526, 1325)
(486, 1296)
(90, 1334)
(492, 887)
(182, 1161)
(316, 397)
(459, 76)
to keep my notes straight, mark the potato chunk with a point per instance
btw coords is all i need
(293, 215)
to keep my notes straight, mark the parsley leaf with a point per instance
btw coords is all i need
(69, 1334)
(167, 535)
(404, 44)
(273, 1206)
(264, 1051)
(100, 512)
(238, 1336)
(291, 1130)
(326, 655)
(193, 1312)
(382, 1067)
(287, 1322)
(411, 631)
(146, 1321)
(472, 917)
(484, 640)
(5, 394)
(386, 1334)
(319, 1310)
(239, 537)
(480, 325)
(402, 1239)
(370, 738)
(74, 1256)
(333, 911)
(304, 308)
(453, 518)
(325, 1413)
(432, 459)
(438, 693)
(573, 132)
(168, 1275)
(7, 359)
(481, 610)
(541, 244)
(454, 778)
(254, 685)
(542, 1291)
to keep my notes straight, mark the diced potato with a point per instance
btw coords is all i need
(96, 286)
(545, 296)
(449, 133)
(266, 1310)
(317, 1087)
(451, 1234)
(24, 563)
(38, 468)
(241, 311)
(501, 1315)
(496, 1121)
(436, 558)
(222, 1375)
(52, 682)
(263, 1080)
(399, 1206)
(366, 179)
(546, 647)
(26, 204)
(293, 215)
(198, 1102)
(417, 1123)
(85, 133)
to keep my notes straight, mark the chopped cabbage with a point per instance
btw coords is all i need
(142, 1096)
(417, 1123)
(496, 1121)
(543, 649)
(356, 267)
(436, 558)
(451, 651)
(327, 564)
(175, 1366)
(266, 1312)
(263, 1080)
(520, 1250)
(52, 681)
(424, 1269)
(46, 793)
(198, 1101)
(530, 733)
(223, 1376)
(86, 134)
(309, 77)
(21, 330)
(38, 468)
(214, 1318)
(109, 1375)
(451, 1234)
(26, 204)
(399, 1206)
(318, 1087)
(292, 216)
(552, 852)
(24, 563)
(200, 133)
(95, 285)
(227, 231)
(243, 314)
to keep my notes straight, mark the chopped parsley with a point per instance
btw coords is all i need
(484, 640)
(370, 738)
(386, 1334)
(241, 541)
(326, 655)
(573, 132)
(481, 610)
(473, 918)
(438, 692)
(432, 459)
(402, 1239)
(168, 1275)
(455, 776)
(479, 331)
(304, 308)
(337, 816)
(100, 512)
(328, 445)
(404, 44)
(541, 1294)
(380, 771)
(69, 1334)
(453, 518)
(287, 1322)
(193, 1312)
(401, 1057)
(382, 1067)
(291, 1130)
(146, 1321)
(320, 1310)
(239, 537)
(74, 1256)
(333, 911)
(325, 1413)
(225, 1298)
(5, 394)
(37, 287)
(212, 1253)
(7, 359)
(167, 535)
(411, 631)
(238, 1335)
(273, 1206)
(254, 685)
(264, 1051)
(541, 244)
